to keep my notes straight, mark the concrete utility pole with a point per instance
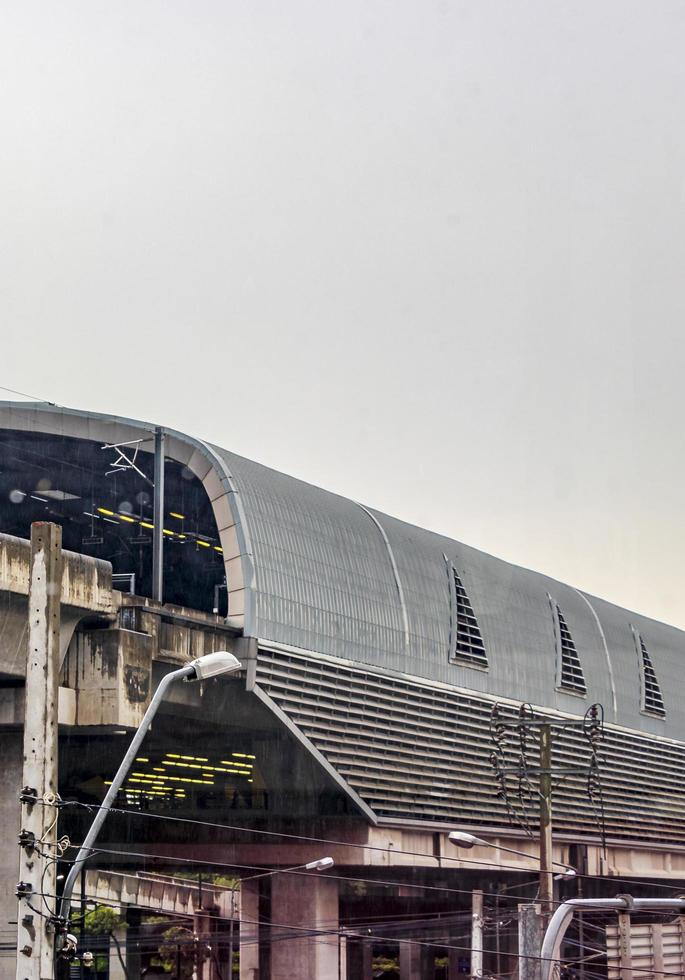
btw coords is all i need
(476, 934)
(37, 862)
(530, 942)
(546, 863)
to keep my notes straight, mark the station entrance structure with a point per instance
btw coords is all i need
(374, 653)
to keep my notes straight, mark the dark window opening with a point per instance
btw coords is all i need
(466, 640)
(107, 512)
(570, 675)
(652, 700)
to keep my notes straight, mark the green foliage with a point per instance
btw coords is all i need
(382, 965)
(102, 921)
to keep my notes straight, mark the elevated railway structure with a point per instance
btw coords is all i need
(374, 653)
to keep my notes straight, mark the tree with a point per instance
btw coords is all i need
(177, 952)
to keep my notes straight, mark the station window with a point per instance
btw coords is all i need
(105, 509)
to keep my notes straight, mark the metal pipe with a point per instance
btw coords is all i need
(158, 520)
(87, 846)
(560, 921)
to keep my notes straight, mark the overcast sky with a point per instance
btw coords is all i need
(429, 255)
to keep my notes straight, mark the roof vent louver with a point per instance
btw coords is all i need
(652, 700)
(570, 675)
(466, 639)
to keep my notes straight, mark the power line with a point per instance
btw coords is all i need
(337, 843)
(23, 394)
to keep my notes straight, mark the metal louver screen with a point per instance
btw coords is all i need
(467, 640)
(572, 678)
(417, 752)
(653, 701)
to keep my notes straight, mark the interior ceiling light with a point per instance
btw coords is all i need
(180, 517)
(60, 495)
(125, 517)
(105, 510)
(203, 544)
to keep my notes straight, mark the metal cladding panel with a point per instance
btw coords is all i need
(335, 578)
(322, 571)
(413, 751)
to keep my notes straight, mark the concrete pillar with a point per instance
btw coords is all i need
(304, 927)
(417, 961)
(205, 927)
(10, 786)
(359, 956)
(116, 970)
(134, 918)
(249, 930)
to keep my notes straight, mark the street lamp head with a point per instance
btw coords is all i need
(461, 839)
(212, 664)
(567, 873)
(320, 865)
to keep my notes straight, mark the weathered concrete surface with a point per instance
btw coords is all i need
(86, 590)
(111, 672)
(304, 927)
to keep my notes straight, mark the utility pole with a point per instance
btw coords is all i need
(158, 519)
(546, 874)
(477, 934)
(38, 837)
(530, 942)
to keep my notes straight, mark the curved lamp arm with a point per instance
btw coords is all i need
(211, 665)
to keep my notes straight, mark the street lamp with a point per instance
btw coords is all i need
(201, 669)
(461, 839)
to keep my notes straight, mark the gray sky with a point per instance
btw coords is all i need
(427, 254)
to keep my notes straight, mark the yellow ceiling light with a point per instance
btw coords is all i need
(203, 544)
(104, 510)
(172, 755)
(217, 548)
(146, 524)
(125, 517)
(172, 513)
(141, 758)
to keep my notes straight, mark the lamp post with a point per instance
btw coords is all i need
(530, 923)
(201, 669)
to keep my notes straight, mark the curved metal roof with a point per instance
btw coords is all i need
(309, 569)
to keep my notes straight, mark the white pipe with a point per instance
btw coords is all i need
(560, 921)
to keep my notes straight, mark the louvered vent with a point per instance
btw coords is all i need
(570, 671)
(467, 640)
(652, 700)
